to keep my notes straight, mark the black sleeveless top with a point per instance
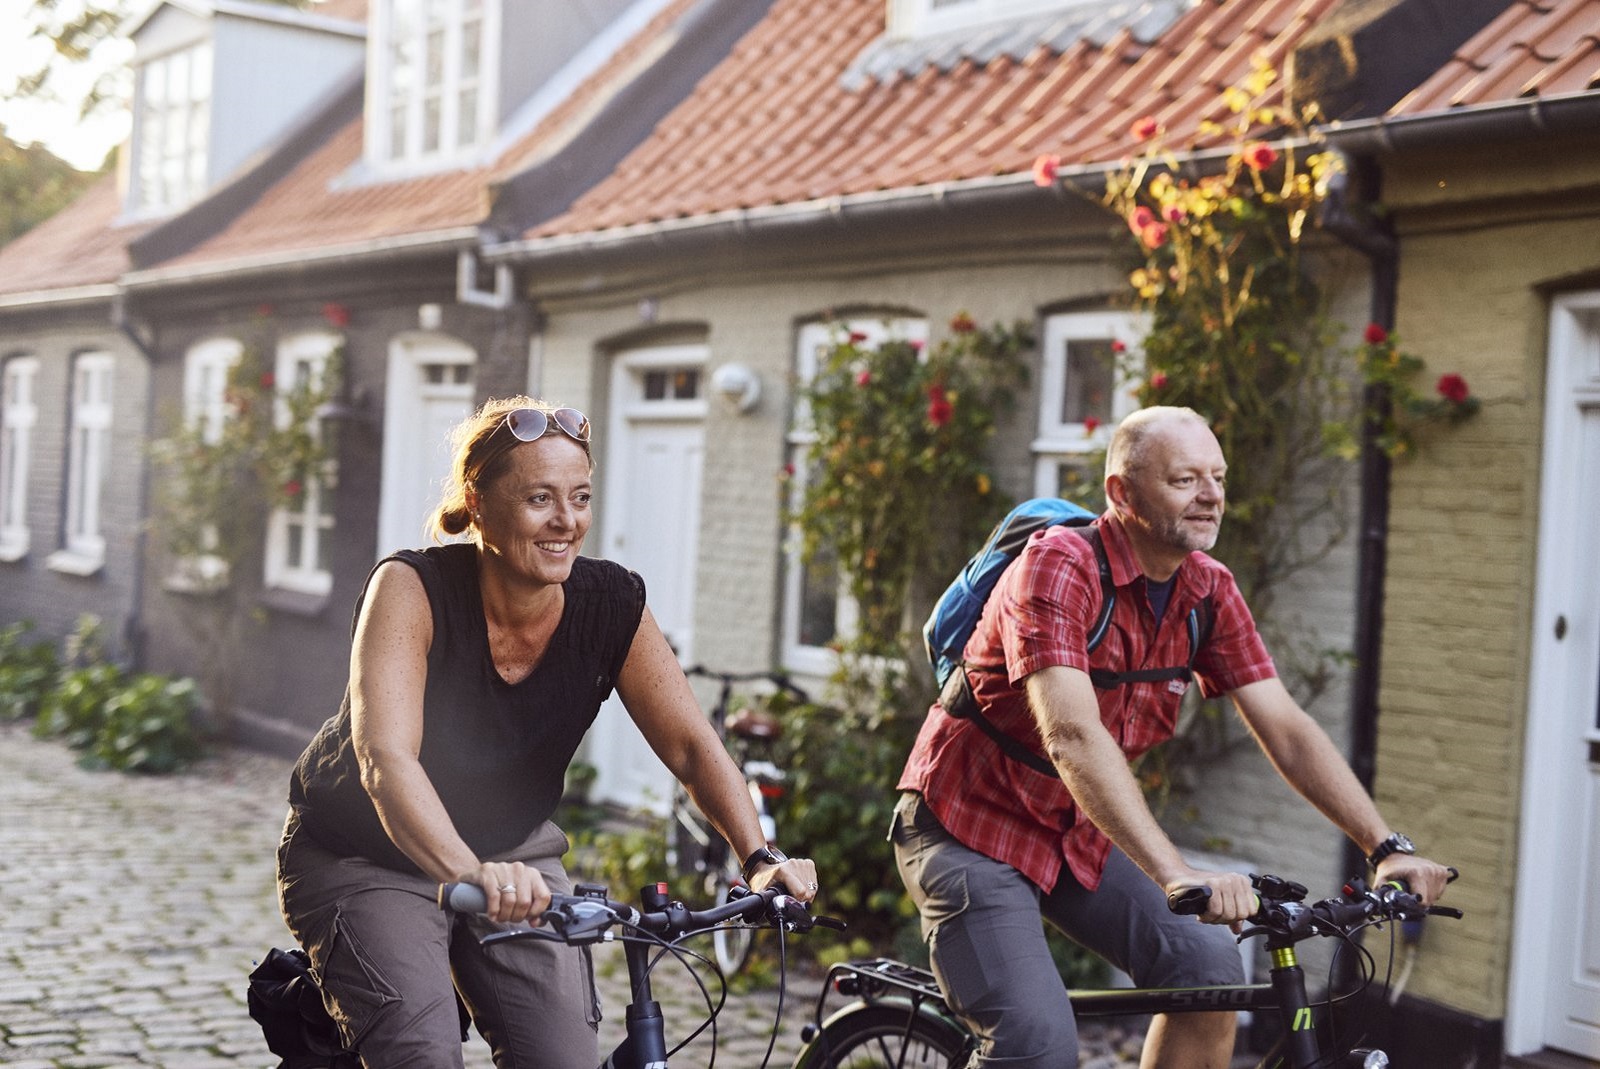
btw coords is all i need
(496, 752)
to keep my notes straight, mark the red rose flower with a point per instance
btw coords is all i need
(856, 337)
(1045, 169)
(863, 377)
(1154, 236)
(1374, 334)
(1118, 345)
(1144, 129)
(1090, 424)
(336, 314)
(939, 407)
(1158, 381)
(1140, 218)
(1453, 388)
(1258, 156)
(963, 324)
(1172, 213)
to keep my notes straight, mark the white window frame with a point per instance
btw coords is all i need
(299, 538)
(813, 338)
(206, 368)
(172, 135)
(401, 93)
(83, 543)
(1060, 443)
(19, 414)
(927, 18)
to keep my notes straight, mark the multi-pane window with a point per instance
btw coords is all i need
(88, 458)
(299, 535)
(433, 98)
(1083, 392)
(816, 609)
(172, 137)
(19, 412)
(918, 18)
(206, 409)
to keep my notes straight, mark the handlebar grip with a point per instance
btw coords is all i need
(1189, 902)
(463, 898)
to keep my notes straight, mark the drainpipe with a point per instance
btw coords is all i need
(1342, 217)
(133, 630)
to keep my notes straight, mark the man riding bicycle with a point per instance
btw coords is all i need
(982, 840)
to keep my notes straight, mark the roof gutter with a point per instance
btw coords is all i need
(58, 298)
(1541, 116)
(404, 245)
(745, 223)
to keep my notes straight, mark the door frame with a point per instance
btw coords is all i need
(1572, 384)
(402, 406)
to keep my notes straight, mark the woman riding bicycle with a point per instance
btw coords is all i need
(476, 669)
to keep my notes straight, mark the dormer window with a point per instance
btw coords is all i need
(433, 100)
(925, 18)
(172, 133)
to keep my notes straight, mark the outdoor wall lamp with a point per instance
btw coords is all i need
(738, 386)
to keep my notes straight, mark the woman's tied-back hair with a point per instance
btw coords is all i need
(479, 447)
(1131, 440)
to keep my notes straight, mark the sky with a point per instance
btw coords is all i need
(82, 143)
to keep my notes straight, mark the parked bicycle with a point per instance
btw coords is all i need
(693, 846)
(899, 1017)
(648, 936)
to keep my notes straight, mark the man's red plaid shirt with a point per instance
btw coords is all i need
(1039, 615)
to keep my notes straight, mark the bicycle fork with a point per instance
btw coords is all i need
(1300, 1047)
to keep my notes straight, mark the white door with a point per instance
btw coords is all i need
(1555, 995)
(651, 489)
(430, 390)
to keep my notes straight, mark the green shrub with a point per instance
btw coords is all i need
(150, 725)
(28, 671)
(75, 709)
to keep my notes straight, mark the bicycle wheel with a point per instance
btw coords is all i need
(731, 945)
(886, 1035)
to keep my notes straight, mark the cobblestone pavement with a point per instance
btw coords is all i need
(135, 908)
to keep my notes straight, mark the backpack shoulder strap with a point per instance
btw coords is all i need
(1108, 590)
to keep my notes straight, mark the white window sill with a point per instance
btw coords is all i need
(197, 575)
(13, 546)
(75, 562)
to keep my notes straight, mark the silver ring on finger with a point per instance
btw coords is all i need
(509, 889)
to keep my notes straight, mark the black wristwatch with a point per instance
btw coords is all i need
(764, 855)
(1394, 844)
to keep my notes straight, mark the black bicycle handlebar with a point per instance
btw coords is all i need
(1282, 911)
(727, 679)
(586, 917)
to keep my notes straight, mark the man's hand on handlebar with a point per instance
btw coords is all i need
(797, 875)
(1232, 898)
(1426, 879)
(515, 891)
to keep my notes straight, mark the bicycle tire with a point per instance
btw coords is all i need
(887, 1034)
(733, 945)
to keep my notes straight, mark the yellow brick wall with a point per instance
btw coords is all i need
(1474, 283)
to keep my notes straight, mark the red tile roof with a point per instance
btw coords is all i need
(81, 245)
(309, 210)
(776, 122)
(1535, 48)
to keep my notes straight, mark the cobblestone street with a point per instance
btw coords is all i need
(135, 908)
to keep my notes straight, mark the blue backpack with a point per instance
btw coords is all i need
(956, 614)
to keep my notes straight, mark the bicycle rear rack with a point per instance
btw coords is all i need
(877, 977)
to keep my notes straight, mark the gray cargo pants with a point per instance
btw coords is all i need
(390, 963)
(988, 950)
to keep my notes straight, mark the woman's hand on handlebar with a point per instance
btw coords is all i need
(1232, 898)
(515, 891)
(797, 875)
(1424, 878)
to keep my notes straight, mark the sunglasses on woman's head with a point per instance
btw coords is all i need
(531, 424)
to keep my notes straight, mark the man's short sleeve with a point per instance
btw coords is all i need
(1235, 655)
(1045, 601)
